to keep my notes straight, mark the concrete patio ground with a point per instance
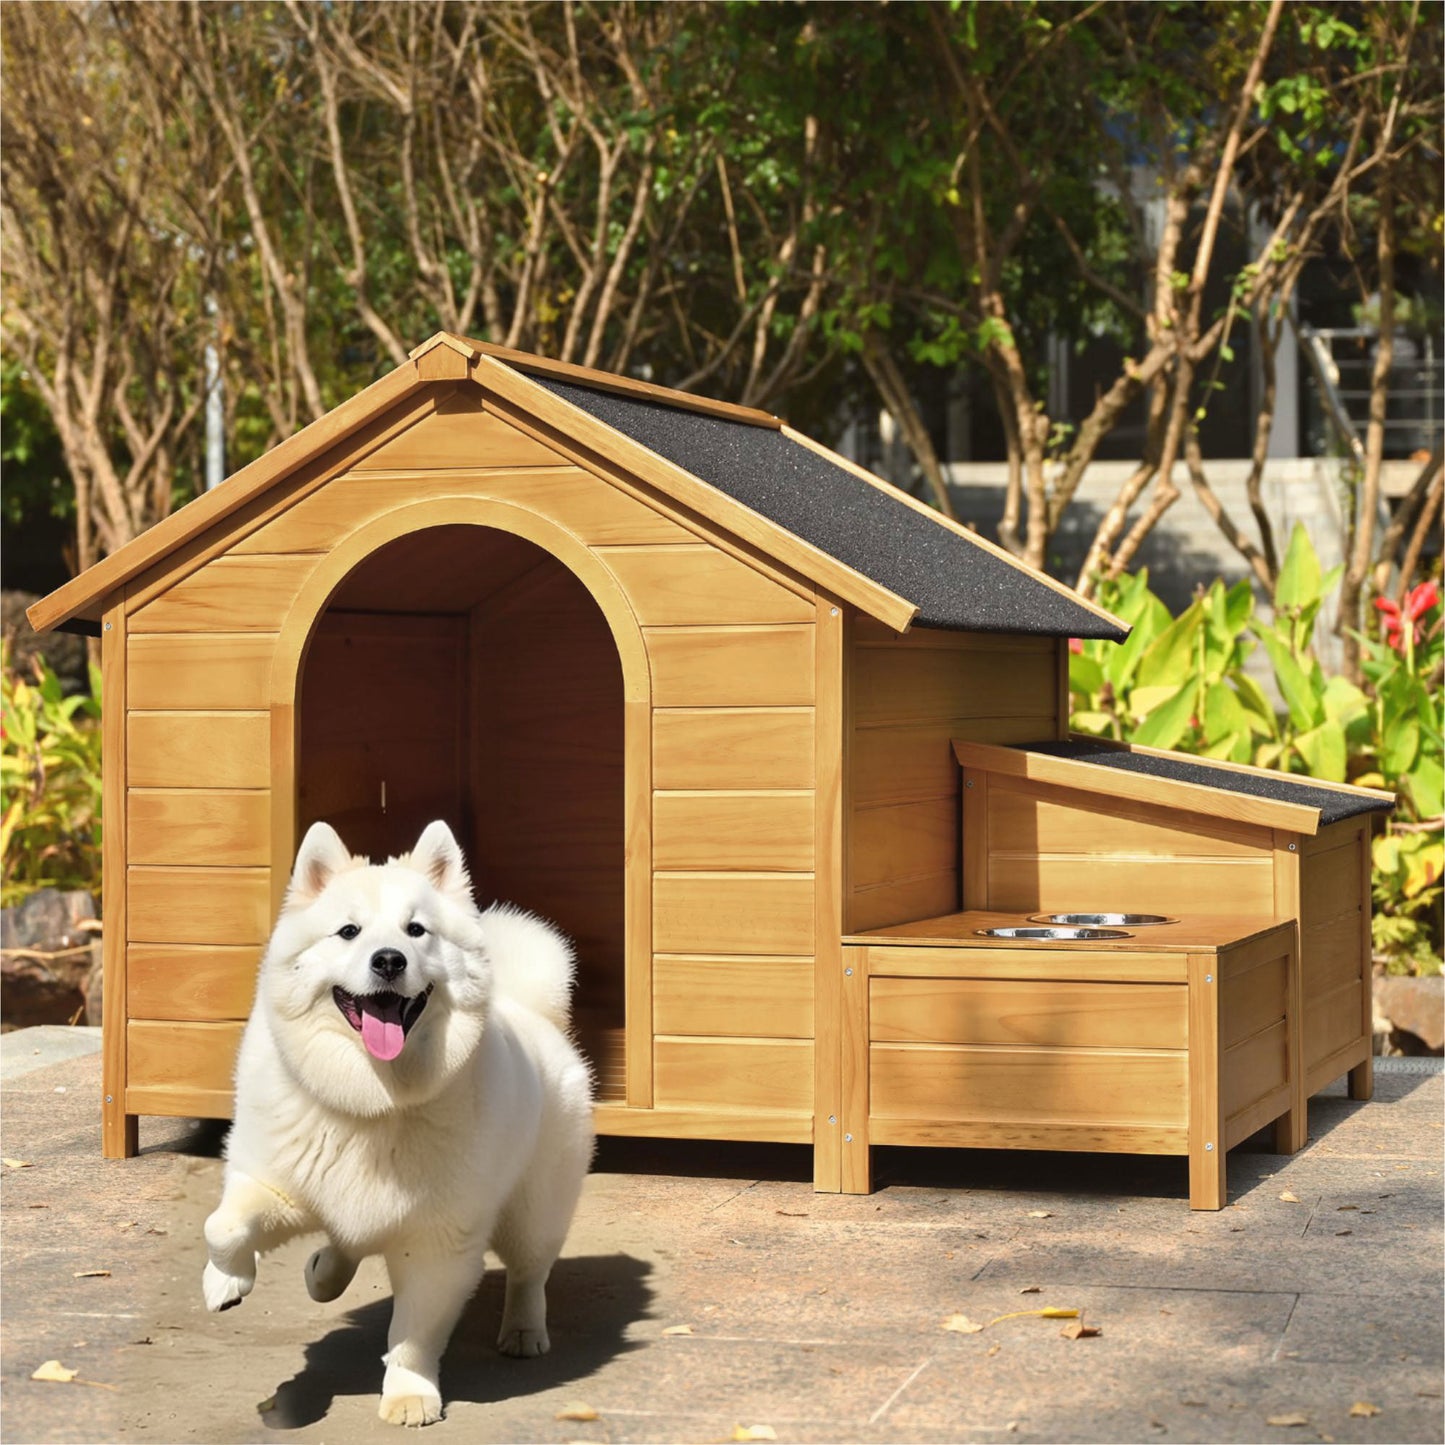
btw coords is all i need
(707, 1294)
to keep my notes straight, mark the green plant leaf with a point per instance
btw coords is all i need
(1299, 574)
(1224, 715)
(1086, 674)
(1323, 749)
(1169, 658)
(1426, 786)
(1306, 710)
(1167, 723)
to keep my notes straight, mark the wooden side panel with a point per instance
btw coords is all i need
(1051, 848)
(751, 913)
(1027, 1085)
(199, 749)
(728, 1074)
(699, 585)
(190, 982)
(761, 996)
(230, 594)
(753, 831)
(731, 666)
(220, 827)
(194, 1060)
(459, 435)
(588, 507)
(209, 671)
(1036, 1013)
(723, 747)
(909, 697)
(198, 905)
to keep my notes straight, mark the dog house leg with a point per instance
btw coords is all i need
(1207, 1188)
(1362, 1080)
(853, 1122)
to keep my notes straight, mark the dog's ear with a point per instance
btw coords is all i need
(322, 855)
(438, 855)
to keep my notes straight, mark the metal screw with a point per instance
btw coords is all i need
(847, 1138)
(110, 1098)
(832, 1118)
(968, 783)
(1209, 1148)
(847, 973)
(832, 612)
(1291, 848)
(1209, 978)
(109, 625)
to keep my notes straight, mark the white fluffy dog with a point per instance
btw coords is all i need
(406, 1084)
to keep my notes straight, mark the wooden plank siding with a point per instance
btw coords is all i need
(909, 697)
(730, 823)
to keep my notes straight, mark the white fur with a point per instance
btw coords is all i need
(477, 1135)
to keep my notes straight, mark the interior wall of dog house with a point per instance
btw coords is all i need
(640, 726)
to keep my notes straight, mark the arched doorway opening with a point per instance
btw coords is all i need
(464, 672)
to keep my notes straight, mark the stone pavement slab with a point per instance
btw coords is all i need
(706, 1289)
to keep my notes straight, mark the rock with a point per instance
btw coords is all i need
(1413, 1005)
(50, 951)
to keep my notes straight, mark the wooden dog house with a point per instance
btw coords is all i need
(682, 680)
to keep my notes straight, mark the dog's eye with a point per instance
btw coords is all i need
(348, 931)
(415, 930)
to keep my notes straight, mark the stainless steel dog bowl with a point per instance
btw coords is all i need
(1102, 920)
(1052, 933)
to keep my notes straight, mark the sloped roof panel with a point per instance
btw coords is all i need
(955, 582)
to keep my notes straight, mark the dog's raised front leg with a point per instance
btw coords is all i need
(250, 1219)
(429, 1293)
(328, 1272)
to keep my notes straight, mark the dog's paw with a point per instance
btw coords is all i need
(224, 1291)
(408, 1397)
(524, 1344)
(327, 1273)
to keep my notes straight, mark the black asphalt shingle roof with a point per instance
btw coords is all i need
(955, 583)
(1281, 787)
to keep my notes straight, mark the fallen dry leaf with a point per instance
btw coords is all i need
(55, 1371)
(1031, 1289)
(678, 1330)
(577, 1411)
(792, 1213)
(754, 1432)
(91, 1274)
(1078, 1330)
(17, 1163)
(1290, 1197)
(1340, 1209)
(1294, 1417)
(1041, 1214)
(993, 1350)
(1362, 1409)
(266, 1405)
(1052, 1312)
(962, 1325)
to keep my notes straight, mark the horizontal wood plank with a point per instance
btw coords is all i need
(732, 747)
(590, 508)
(770, 913)
(1052, 965)
(199, 750)
(753, 831)
(1141, 884)
(745, 1074)
(1252, 1001)
(206, 825)
(1253, 1068)
(901, 900)
(714, 666)
(1332, 1022)
(199, 1056)
(194, 983)
(698, 585)
(902, 840)
(210, 670)
(459, 434)
(251, 593)
(1331, 955)
(1034, 1012)
(1030, 1086)
(1332, 884)
(198, 905)
(760, 996)
(902, 685)
(1078, 1138)
(748, 1126)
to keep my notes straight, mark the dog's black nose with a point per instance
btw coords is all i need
(387, 963)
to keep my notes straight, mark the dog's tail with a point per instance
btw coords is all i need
(532, 962)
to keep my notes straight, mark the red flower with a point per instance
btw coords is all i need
(1076, 644)
(1418, 601)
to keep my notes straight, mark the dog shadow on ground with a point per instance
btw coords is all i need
(592, 1302)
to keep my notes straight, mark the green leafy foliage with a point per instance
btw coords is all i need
(1182, 683)
(50, 780)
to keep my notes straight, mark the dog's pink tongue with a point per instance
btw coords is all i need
(381, 1031)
